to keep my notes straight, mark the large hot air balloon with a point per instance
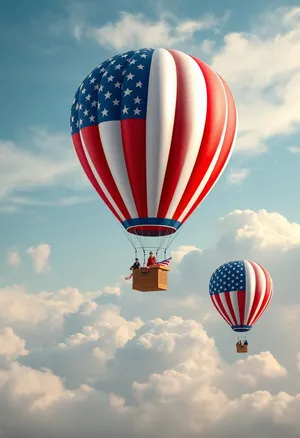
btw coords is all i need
(241, 291)
(153, 131)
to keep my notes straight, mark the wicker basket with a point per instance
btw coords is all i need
(242, 348)
(150, 279)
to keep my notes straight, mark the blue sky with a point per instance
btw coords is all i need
(81, 352)
(46, 52)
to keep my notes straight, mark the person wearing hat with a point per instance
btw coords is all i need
(136, 265)
(151, 259)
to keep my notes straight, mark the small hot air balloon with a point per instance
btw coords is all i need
(153, 131)
(241, 291)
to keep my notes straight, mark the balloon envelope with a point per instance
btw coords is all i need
(153, 130)
(241, 291)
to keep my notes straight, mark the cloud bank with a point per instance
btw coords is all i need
(111, 363)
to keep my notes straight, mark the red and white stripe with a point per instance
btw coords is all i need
(164, 166)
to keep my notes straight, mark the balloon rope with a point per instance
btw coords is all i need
(176, 235)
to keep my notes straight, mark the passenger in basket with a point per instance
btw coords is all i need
(151, 259)
(136, 265)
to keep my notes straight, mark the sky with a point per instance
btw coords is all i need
(81, 353)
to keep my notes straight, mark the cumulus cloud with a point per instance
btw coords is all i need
(71, 362)
(262, 229)
(11, 345)
(46, 160)
(265, 82)
(13, 258)
(136, 30)
(40, 256)
(294, 149)
(236, 176)
(263, 365)
(181, 251)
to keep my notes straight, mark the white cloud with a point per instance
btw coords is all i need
(134, 30)
(264, 84)
(263, 71)
(13, 258)
(111, 290)
(64, 201)
(263, 365)
(180, 252)
(91, 367)
(16, 305)
(44, 160)
(294, 149)
(262, 229)
(11, 346)
(237, 176)
(35, 390)
(40, 255)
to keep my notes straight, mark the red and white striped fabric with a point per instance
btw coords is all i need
(153, 130)
(241, 291)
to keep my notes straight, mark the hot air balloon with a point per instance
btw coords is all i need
(241, 291)
(153, 130)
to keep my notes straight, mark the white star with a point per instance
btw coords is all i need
(80, 107)
(81, 121)
(102, 69)
(77, 106)
(99, 104)
(137, 100)
(83, 90)
(116, 102)
(118, 84)
(117, 67)
(88, 97)
(107, 95)
(94, 103)
(72, 118)
(96, 87)
(92, 80)
(133, 61)
(125, 110)
(139, 84)
(105, 73)
(74, 100)
(104, 112)
(143, 55)
(77, 124)
(123, 72)
(127, 92)
(130, 76)
(110, 78)
(112, 62)
(137, 51)
(137, 111)
(101, 88)
(86, 112)
(140, 67)
(124, 56)
(92, 118)
(89, 75)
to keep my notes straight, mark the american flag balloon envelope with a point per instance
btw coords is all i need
(241, 291)
(153, 130)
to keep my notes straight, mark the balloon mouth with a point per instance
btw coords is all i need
(241, 328)
(151, 230)
(151, 227)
